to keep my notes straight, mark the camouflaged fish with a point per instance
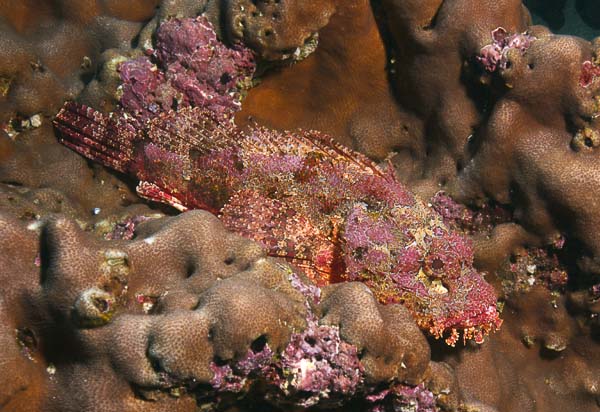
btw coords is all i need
(328, 210)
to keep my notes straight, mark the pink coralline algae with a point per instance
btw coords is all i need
(403, 398)
(125, 229)
(482, 219)
(189, 67)
(495, 55)
(332, 212)
(316, 367)
(589, 72)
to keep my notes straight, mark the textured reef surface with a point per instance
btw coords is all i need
(372, 175)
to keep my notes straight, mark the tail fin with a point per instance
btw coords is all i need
(99, 137)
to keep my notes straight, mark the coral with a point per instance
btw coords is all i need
(342, 89)
(155, 322)
(540, 349)
(40, 177)
(194, 68)
(404, 84)
(316, 364)
(532, 126)
(274, 29)
(50, 50)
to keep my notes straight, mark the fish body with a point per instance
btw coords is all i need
(325, 208)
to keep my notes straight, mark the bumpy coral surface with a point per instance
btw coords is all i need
(50, 51)
(157, 321)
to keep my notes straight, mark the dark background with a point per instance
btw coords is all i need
(576, 17)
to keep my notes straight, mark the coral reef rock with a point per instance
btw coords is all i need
(152, 323)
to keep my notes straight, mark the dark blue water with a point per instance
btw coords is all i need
(576, 17)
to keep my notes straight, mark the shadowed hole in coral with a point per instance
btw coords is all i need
(288, 51)
(588, 142)
(225, 78)
(12, 183)
(310, 340)
(229, 260)
(530, 66)
(135, 42)
(46, 252)
(190, 269)
(429, 26)
(258, 344)
(155, 362)
(218, 361)
(27, 338)
(268, 32)
(549, 354)
(102, 304)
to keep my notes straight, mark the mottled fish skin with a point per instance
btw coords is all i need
(325, 208)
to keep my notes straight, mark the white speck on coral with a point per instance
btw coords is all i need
(34, 226)
(35, 121)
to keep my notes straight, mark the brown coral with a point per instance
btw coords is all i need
(142, 322)
(51, 50)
